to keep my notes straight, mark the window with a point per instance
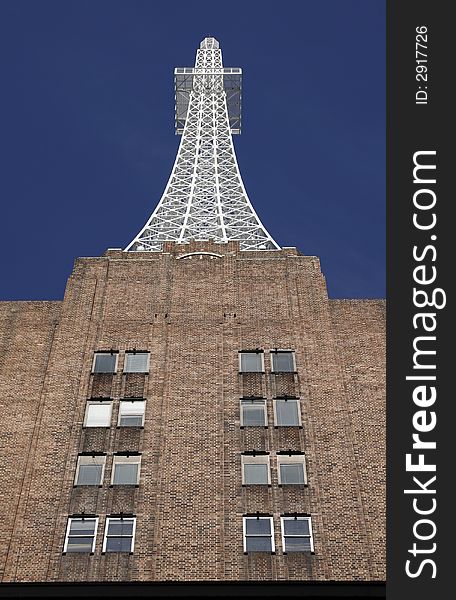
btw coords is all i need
(90, 469)
(258, 534)
(98, 413)
(255, 469)
(125, 469)
(297, 534)
(119, 534)
(287, 412)
(283, 361)
(291, 469)
(251, 361)
(104, 362)
(253, 412)
(131, 413)
(80, 534)
(136, 362)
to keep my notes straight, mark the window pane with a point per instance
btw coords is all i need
(282, 362)
(297, 544)
(105, 363)
(251, 362)
(258, 544)
(118, 544)
(255, 474)
(291, 473)
(89, 474)
(82, 527)
(137, 363)
(256, 526)
(79, 544)
(119, 535)
(120, 527)
(252, 413)
(125, 474)
(296, 527)
(98, 415)
(131, 421)
(287, 412)
(131, 414)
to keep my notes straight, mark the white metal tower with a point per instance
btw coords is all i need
(205, 198)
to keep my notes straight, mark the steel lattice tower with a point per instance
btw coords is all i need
(205, 198)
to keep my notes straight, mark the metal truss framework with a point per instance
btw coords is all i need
(205, 198)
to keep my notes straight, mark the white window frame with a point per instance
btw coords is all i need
(279, 351)
(296, 459)
(97, 403)
(133, 535)
(258, 459)
(131, 353)
(241, 352)
(123, 459)
(131, 401)
(95, 354)
(245, 536)
(298, 403)
(67, 534)
(78, 465)
(253, 401)
(299, 518)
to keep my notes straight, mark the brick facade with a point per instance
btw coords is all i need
(193, 307)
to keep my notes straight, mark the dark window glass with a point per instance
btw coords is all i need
(256, 526)
(89, 475)
(258, 544)
(297, 535)
(105, 363)
(253, 413)
(287, 412)
(296, 527)
(255, 474)
(251, 362)
(118, 544)
(258, 535)
(119, 535)
(120, 527)
(282, 362)
(297, 544)
(125, 474)
(291, 473)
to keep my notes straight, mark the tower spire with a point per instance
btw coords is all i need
(205, 197)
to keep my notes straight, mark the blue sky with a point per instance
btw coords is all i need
(87, 128)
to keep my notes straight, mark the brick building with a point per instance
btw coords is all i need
(199, 412)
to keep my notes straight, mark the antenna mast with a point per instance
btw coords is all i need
(205, 198)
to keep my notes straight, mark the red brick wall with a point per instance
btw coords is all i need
(194, 315)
